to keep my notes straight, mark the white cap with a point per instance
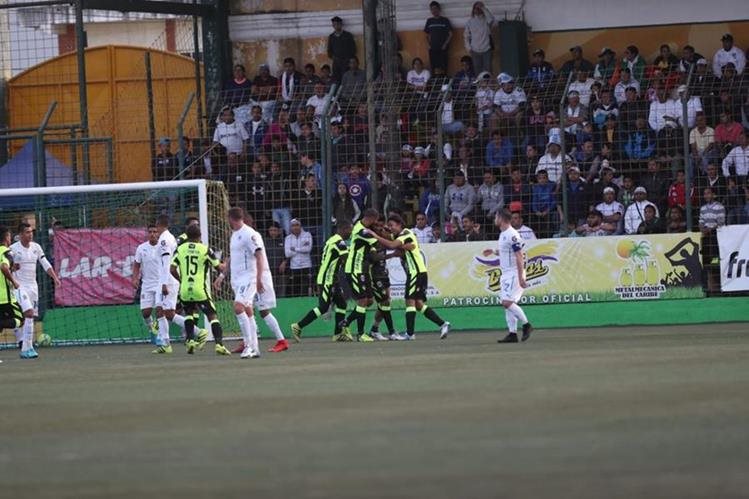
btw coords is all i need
(504, 78)
(609, 189)
(641, 189)
(484, 75)
(419, 150)
(407, 148)
(702, 61)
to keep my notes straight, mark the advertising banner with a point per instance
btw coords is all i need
(95, 266)
(733, 244)
(570, 270)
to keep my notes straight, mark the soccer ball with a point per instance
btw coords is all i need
(43, 340)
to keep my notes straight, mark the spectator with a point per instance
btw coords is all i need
(319, 100)
(611, 210)
(450, 124)
(635, 214)
(664, 120)
(460, 198)
(499, 151)
(728, 53)
(309, 166)
(326, 76)
(237, 91)
(536, 119)
(540, 72)
(437, 232)
(422, 230)
(274, 250)
(587, 160)
(737, 161)
(727, 133)
(265, 92)
(552, 162)
(353, 81)
(473, 141)
(655, 184)
(358, 187)
(582, 85)
(651, 224)
(677, 191)
(634, 62)
(280, 189)
(688, 58)
(595, 226)
(577, 63)
(468, 231)
(626, 194)
(714, 181)
(525, 232)
(578, 197)
(308, 204)
(606, 67)
(418, 77)
(307, 142)
(344, 208)
(298, 247)
(439, 32)
(341, 48)
(631, 109)
(484, 99)
(666, 61)
(430, 202)
(477, 37)
(256, 129)
(641, 142)
(575, 115)
(308, 81)
(624, 83)
(702, 144)
(491, 197)
(518, 191)
(232, 137)
(291, 84)
(712, 216)
(676, 221)
(694, 106)
(604, 108)
(509, 102)
(464, 79)
(420, 165)
(469, 166)
(544, 209)
(165, 165)
(734, 201)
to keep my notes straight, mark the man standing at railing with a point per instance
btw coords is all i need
(439, 32)
(477, 36)
(341, 48)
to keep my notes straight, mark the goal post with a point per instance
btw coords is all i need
(90, 233)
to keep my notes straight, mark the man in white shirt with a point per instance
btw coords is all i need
(625, 81)
(738, 159)
(319, 100)
(231, 134)
(611, 210)
(729, 53)
(147, 275)
(26, 254)
(702, 143)
(512, 279)
(298, 249)
(423, 231)
(635, 213)
(509, 101)
(582, 86)
(526, 233)
(553, 161)
(694, 106)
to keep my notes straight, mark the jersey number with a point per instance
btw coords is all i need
(192, 265)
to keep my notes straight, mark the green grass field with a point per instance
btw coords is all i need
(591, 413)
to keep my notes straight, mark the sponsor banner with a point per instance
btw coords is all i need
(733, 244)
(570, 270)
(95, 266)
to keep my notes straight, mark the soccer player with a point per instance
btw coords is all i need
(381, 289)
(357, 268)
(190, 267)
(252, 283)
(10, 312)
(188, 222)
(416, 276)
(512, 281)
(182, 238)
(147, 274)
(333, 257)
(25, 255)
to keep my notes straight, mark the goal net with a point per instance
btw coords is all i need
(90, 235)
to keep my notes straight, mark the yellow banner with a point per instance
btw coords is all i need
(567, 270)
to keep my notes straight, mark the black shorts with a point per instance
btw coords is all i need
(416, 287)
(331, 294)
(380, 286)
(205, 306)
(361, 286)
(12, 311)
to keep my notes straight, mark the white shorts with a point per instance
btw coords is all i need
(27, 301)
(267, 299)
(245, 292)
(148, 299)
(168, 301)
(509, 288)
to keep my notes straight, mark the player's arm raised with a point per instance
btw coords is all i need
(389, 243)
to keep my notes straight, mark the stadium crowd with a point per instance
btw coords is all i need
(622, 132)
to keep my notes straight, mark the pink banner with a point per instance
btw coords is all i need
(96, 266)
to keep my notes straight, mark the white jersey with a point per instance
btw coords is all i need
(267, 277)
(242, 247)
(149, 257)
(167, 245)
(26, 259)
(509, 243)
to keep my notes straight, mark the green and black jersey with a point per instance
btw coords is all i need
(181, 239)
(412, 260)
(358, 261)
(7, 291)
(194, 261)
(333, 256)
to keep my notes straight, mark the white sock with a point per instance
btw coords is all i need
(272, 323)
(180, 321)
(163, 336)
(19, 334)
(253, 334)
(512, 322)
(518, 313)
(244, 327)
(28, 334)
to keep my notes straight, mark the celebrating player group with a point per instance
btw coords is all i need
(174, 275)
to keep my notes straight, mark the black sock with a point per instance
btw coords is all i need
(339, 316)
(374, 328)
(432, 315)
(308, 319)
(387, 316)
(360, 322)
(189, 328)
(218, 333)
(352, 317)
(410, 320)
